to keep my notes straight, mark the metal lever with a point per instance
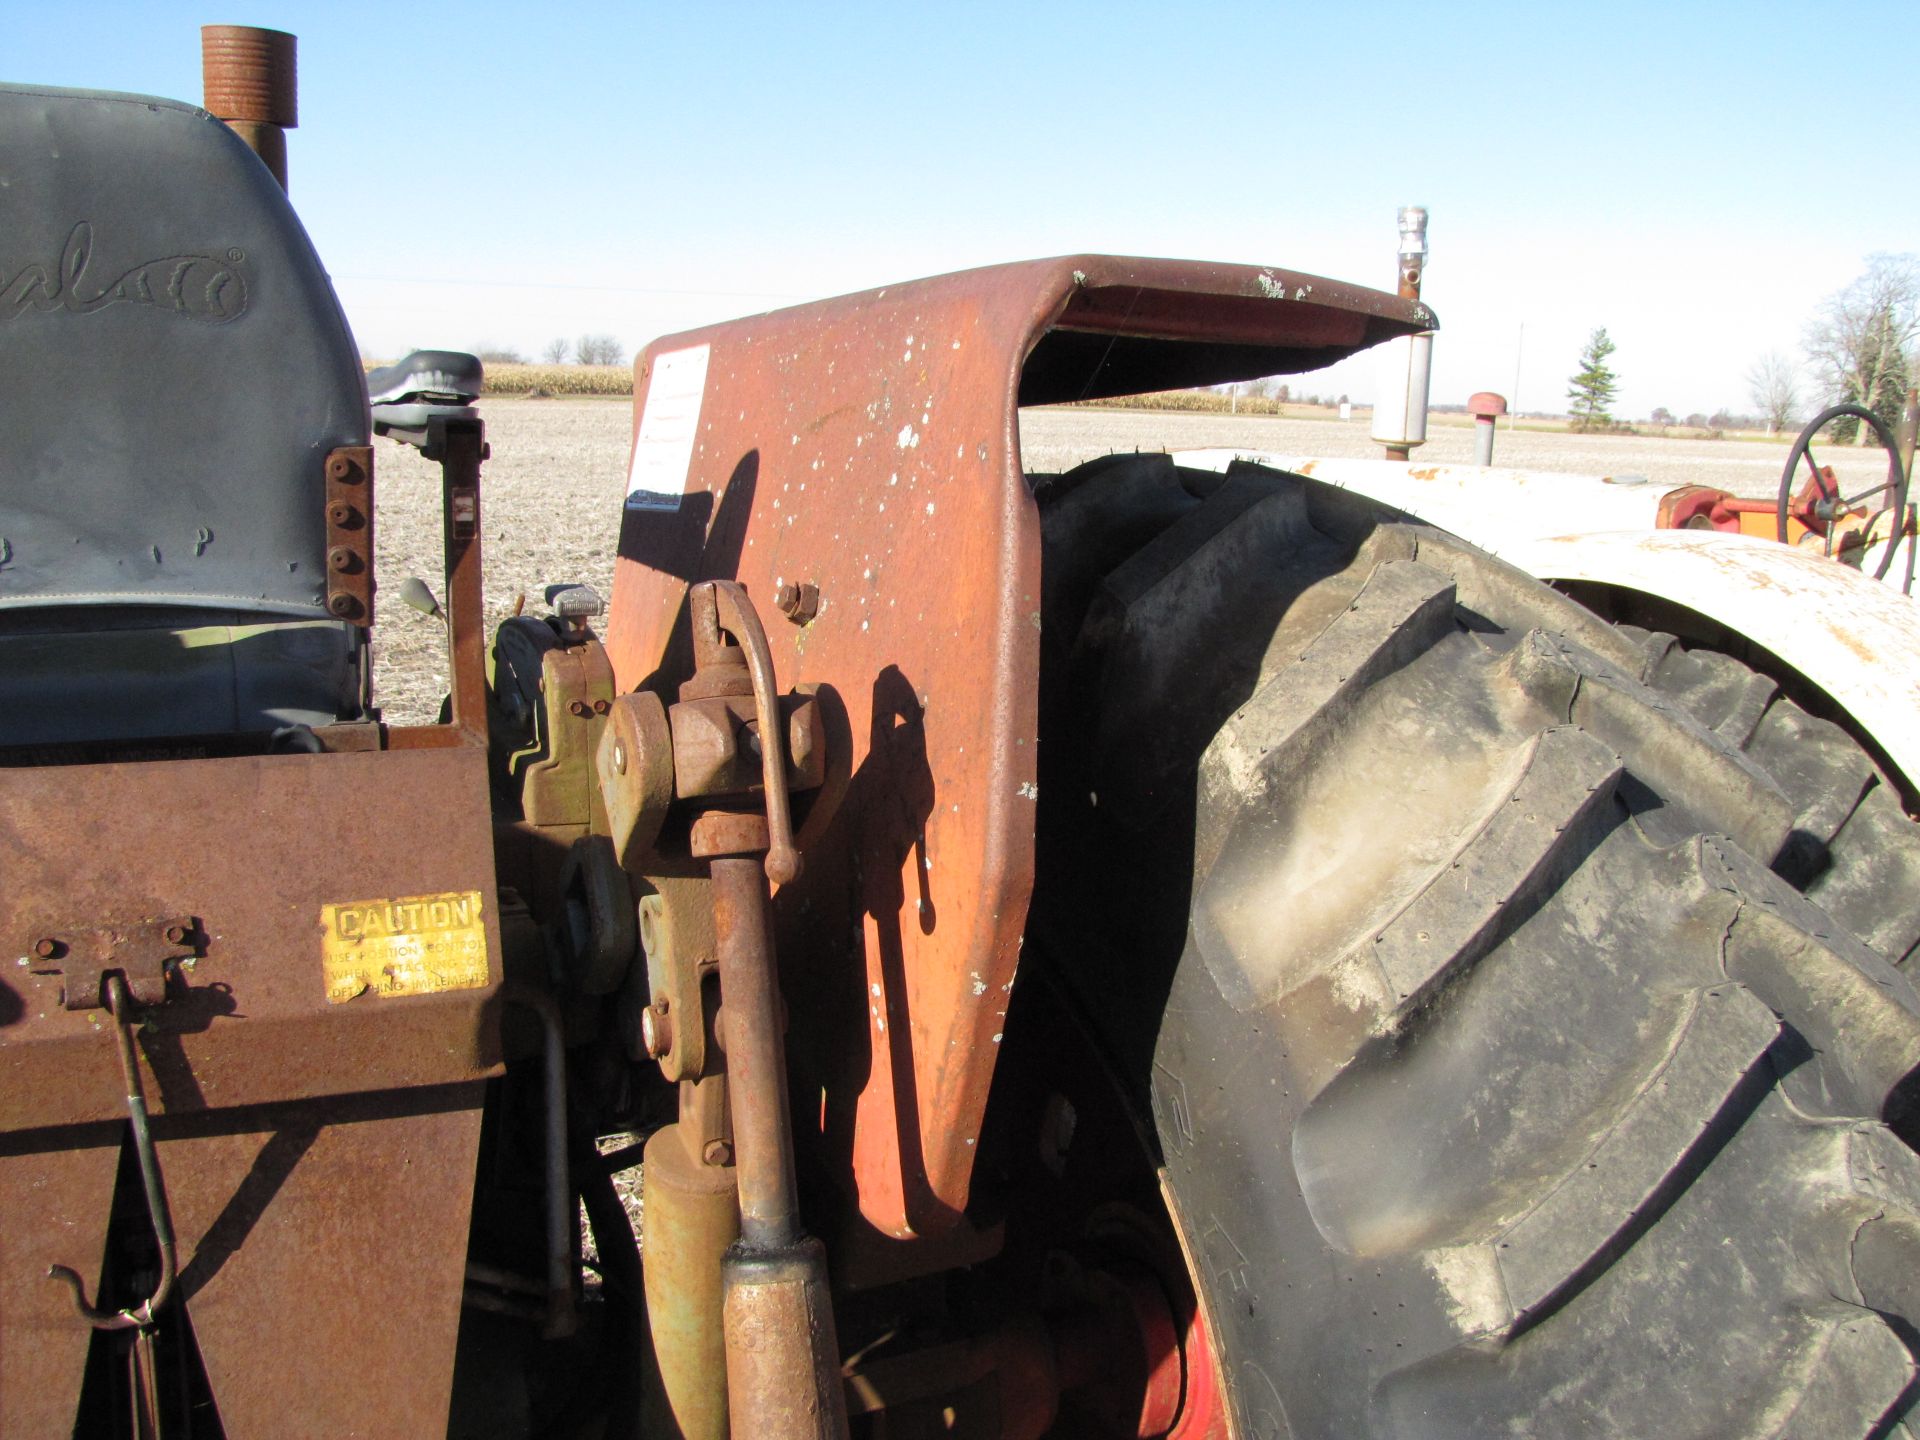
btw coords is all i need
(733, 613)
(142, 1315)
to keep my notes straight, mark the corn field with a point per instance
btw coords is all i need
(537, 380)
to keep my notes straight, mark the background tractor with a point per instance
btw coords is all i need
(1143, 951)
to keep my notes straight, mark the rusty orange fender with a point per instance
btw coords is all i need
(869, 446)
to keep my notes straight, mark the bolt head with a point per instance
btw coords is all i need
(175, 934)
(786, 597)
(45, 947)
(656, 1030)
(341, 605)
(717, 1152)
(619, 758)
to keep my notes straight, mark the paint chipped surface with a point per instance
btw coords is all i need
(837, 376)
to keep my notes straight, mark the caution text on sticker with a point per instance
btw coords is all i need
(411, 945)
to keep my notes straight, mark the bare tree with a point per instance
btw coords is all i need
(1773, 383)
(557, 352)
(598, 350)
(1861, 341)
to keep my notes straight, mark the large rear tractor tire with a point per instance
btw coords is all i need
(1504, 1078)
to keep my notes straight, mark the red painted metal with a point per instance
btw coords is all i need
(868, 446)
(1696, 507)
(1203, 1404)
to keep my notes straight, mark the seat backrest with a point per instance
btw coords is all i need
(174, 364)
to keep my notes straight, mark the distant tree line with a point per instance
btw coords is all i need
(1862, 347)
(587, 350)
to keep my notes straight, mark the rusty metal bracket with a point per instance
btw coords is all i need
(142, 1315)
(634, 766)
(719, 608)
(350, 534)
(549, 757)
(717, 746)
(142, 951)
(670, 1021)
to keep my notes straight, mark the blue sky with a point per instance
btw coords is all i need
(1693, 177)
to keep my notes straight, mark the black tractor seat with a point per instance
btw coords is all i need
(434, 377)
(408, 394)
(178, 372)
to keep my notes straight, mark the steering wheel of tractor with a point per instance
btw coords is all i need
(1832, 503)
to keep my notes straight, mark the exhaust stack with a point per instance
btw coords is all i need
(249, 76)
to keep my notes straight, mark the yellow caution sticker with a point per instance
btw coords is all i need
(416, 945)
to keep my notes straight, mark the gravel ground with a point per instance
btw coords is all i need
(551, 495)
(550, 507)
(1058, 439)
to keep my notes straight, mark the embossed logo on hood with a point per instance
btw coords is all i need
(198, 287)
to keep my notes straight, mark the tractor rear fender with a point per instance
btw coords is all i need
(869, 446)
(1832, 626)
(1847, 634)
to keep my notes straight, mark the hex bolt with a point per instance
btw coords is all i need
(580, 708)
(656, 1029)
(799, 603)
(175, 934)
(45, 947)
(717, 1152)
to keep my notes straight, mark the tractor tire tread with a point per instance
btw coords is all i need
(1502, 1080)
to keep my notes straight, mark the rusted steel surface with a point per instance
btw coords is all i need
(313, 1231)
(350, 534)
(250, 74)
(762, 1132)
(57, 1200)
(251, 81)
(460, 446)
(867, 447)
(253, 846)
(142, 950)
(783, 1361)
(328, 1243)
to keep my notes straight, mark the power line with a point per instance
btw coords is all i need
(599, 289)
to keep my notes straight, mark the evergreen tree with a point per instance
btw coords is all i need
(1593, 385)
